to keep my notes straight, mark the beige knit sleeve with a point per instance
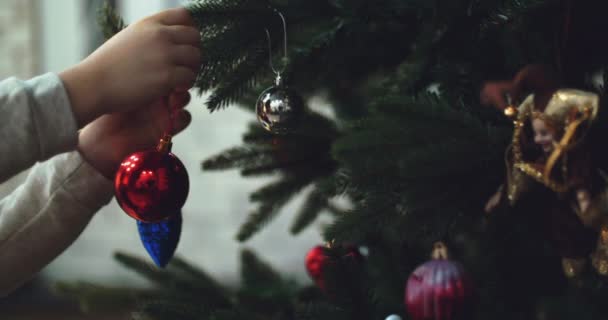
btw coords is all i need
(36, 122)
(42, 217)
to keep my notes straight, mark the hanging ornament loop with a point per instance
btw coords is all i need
(440, 251)
(276, 71)
(279, 109)
(165, 144)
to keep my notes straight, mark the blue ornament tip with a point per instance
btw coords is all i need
(157, 260)
(161, 238)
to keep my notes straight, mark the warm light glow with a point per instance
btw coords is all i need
(562, 96)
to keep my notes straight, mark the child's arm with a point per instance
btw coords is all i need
(46, 214)
(140, 65)
(126, 79)
(59, 197)
(36, 122)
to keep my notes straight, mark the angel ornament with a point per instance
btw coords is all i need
(550, 166)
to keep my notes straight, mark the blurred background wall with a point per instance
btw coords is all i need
(41, 36)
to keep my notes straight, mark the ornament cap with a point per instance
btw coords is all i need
(165, 144)
(278, 81)
(440, 251)
(511, 112)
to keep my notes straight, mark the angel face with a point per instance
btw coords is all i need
(544, 136)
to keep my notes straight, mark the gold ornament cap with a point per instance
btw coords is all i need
(165, 144)
(511, 112)
(440, 251)
(330, 244)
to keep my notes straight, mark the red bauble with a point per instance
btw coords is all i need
(315, 260)
(151, 185)
(439, 289)
(319, 257)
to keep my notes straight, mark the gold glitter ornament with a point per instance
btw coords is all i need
(567, 111)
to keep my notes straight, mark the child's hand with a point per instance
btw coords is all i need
(105, 142)
(142, 63)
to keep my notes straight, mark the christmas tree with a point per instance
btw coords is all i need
(408, 142)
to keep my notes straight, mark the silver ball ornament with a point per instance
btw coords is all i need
(393, 317)
(279, 109)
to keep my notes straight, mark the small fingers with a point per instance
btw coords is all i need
(187, 56)
(175, 16)
(179, 99)
(181, 121)
(182, 78)
(184, 35)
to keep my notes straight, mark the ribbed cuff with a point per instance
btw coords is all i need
(53, 117)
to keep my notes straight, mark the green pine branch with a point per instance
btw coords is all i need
(217, 12)
(321, 310)
(338, 274)
(240, 80)
(272, 197)
(311, 49)
(94, 298)
(178, 281)
(509, 12)
(226, 52)
(334, 210)
(228, 315)
(146, 269)
(301, 157)
(215, 293)
(263, 289)
(354, 226)
(239, 157)
(233, 37)
(256, 273)
(109, 21)
(315, 203)
(170, 309)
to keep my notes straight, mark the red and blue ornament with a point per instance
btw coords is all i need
(151, 186)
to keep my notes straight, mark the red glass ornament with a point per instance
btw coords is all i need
(319, 257)
(315, 259)
(152, 185)
(439, 289)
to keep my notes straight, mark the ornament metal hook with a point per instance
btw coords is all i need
(278, 72)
